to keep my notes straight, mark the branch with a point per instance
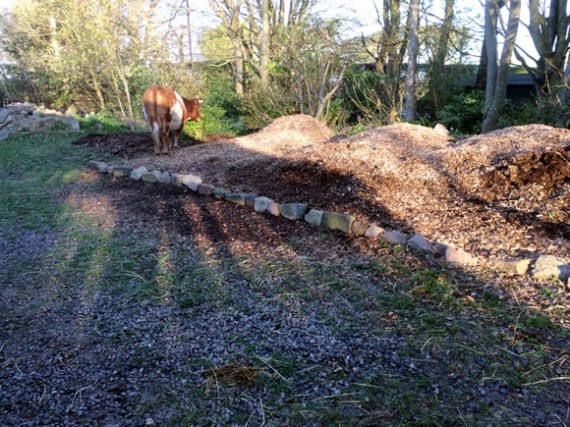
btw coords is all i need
(373, 55)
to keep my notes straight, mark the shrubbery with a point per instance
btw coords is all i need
(102, 123)
(464, 114)
(222, 110)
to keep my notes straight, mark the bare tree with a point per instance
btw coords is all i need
(551, 37)
(390, 50)
(189, 33)
(497, 93)
(481, 78)
(436, 70)
(413, 47)
(229, 13)
(264, 47)
(491, 13)
(388, 45)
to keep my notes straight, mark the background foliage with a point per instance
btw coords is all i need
(100, 55)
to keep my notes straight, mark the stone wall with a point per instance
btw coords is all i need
(541, 267)
(25, 118)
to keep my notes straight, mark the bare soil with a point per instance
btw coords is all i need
(503, 194)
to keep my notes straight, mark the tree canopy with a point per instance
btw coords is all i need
(268, 58)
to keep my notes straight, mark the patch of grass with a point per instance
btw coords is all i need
(372, 267)
(395, 301)
(34, 171)
(197, 282)
(101, 123)
(535, 320)
(435, 285)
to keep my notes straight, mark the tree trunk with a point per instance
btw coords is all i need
(189, 33)
(98, 91)
(481, 79)
(491, 11)
(324, 98)
(238, 68)
(413, 47)
(437, 78)
(551, 39)
(500, 93)
(565, 97)
(229, 12)
(264, 48)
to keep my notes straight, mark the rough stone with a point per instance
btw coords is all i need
(26, 107)
(261, 204)
(441, 129)
(459, 256)
(220, 193)
(185, 179)
(122, 171)
(153, 176)
(250, 199)
(109, 169)
(439, 248)
(373, 231)
(5, 116)
(293, 211)
(511, 267)
(205, 189)
(237, 198)
(138, 173)
(564, 272)
(103, 167)
(420, 243)
(5, 134)
(165, 178)
(314, 217)
(273, 208)
(194, 183)
(73, 124)
(359, 228)
(546, 267)
(395, 237)
(176, 179)
(98, 166)
(337, 221)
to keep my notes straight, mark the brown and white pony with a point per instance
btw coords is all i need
(166, 112)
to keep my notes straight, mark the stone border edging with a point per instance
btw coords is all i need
(545, 267)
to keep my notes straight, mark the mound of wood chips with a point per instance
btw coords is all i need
(502, 193)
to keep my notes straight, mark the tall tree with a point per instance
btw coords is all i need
(413, 47)
(228, 11)
(497, 93)
(481, 77)
(188, 11)
(436, 71)
(264, 46)
(388, 53)
(94, 54)
(391, 41)
(491, 16)
(551, 37)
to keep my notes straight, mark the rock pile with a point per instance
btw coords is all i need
(24, 118)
